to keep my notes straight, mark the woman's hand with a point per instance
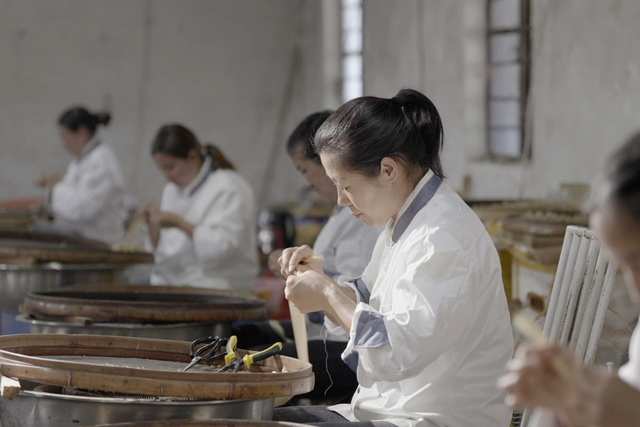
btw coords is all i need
(157, 219)
(295, 260)
(307, 290)
(47, 179)
(551, 377)
(153, 216)
(272, 263)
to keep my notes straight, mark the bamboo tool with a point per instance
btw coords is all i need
(128, 245)
(299, 330)
(529, 329)
(314, 257)
(527, 326)
(298, 321)
(135, 224)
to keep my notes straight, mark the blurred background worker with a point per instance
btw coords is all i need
(204, 232)
(88, 199)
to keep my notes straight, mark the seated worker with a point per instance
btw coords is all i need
(204, 232)
(427, 322)
(551, 377)
(88, 199)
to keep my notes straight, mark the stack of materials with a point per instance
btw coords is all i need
(529, 235)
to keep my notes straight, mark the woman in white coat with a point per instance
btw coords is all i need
(204, 232)
(88, 199)
(427, 321)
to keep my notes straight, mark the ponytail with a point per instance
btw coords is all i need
(365, 130)
(219, 160)
(77, 117)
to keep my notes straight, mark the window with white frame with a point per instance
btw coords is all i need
(352, 35)
(508, 41)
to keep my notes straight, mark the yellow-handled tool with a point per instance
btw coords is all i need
(231, 349)
(250, 359)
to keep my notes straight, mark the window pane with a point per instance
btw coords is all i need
(351, 3)
(351, 18)
(505, 81)
(352, 67)
(504, 14)
(352, 42)
(504, 113)
(505, 143)
(351, 88)
(505, 47)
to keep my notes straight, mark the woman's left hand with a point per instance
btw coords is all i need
(306, 289)
(297, 259)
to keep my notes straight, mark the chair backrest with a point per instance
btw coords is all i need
(580, 296)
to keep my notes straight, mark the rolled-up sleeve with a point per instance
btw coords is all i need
(428, 314)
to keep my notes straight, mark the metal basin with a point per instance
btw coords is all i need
(16, 281)
(33, 408)
(168, 331)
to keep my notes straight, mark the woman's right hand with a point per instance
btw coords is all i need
(551, 377)
(297, 259)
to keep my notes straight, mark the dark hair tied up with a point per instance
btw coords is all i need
(177, 141)
(302, 136)
(621, 180)
(365, 130)
(75, 117)
(399, 101)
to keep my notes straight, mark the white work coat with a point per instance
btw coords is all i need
(346, 244)
(431, 332)
(88, 199)
(630, 372)
(223, 251)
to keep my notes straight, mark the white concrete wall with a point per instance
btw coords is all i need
(220, 67)
(586, 84)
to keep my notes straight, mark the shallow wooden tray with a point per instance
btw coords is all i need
(147, 303)
(38, 252)
(41, 358)
(202, 423)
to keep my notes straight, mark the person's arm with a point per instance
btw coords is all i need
(429, 315)
(619, 403)
(552, 378)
